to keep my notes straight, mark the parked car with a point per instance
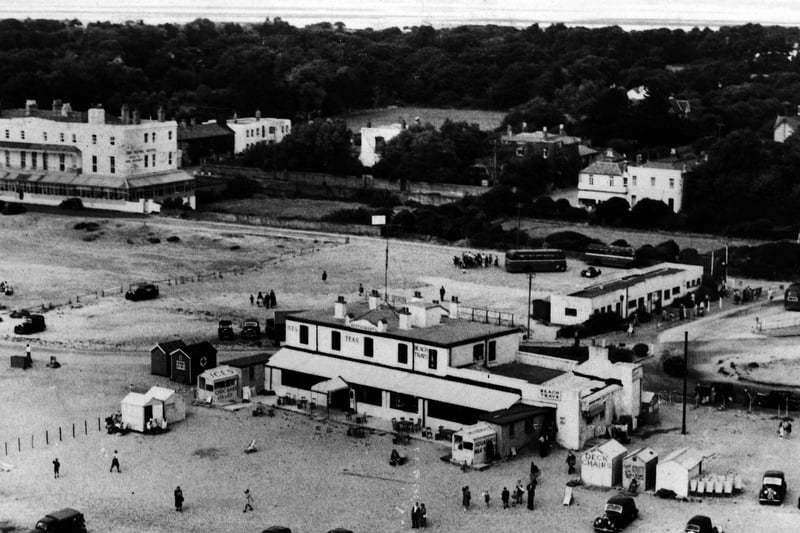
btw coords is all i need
(225, 330)
(777, 399)
(277, 529)
(251, 329)
(64, 521)
(142, 291)
(32, 324)
(773, 488)
(591, 272)
(701, 524)
(619, 512)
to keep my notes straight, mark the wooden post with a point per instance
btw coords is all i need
(31, 441)
(47, 437)
(85, 427)
(59, 433)
(73, 430)
(98, 423)
(19, 444)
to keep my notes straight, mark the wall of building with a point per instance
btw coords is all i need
(782, 132)
(369, 136)
(641, 185)
(249, 131)
(140, 206)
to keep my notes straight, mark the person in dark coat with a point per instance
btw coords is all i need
(273, 301)
(441, 294)
(531, 493)
(324, 276)
(505, 495)
(178, 499)
(266, 299)
(423, 516)
(56, 467)
(259, 299)
(570, 462)
(466, 497)
(415, 516)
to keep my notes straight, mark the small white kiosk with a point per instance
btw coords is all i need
(222, 384)
(677, 469)
(137, 409)
(602, 464)
(472, 445)
(640, 464)
(172, 405)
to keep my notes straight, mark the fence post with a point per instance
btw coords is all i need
(6, 443)
(19, 444)
(47, 437)
(98, 423)
(59, 433)
(31, 441)
(73, 430)
(85, 427)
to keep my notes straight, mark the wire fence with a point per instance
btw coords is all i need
(94, 296)
(52, 436)
(487, 316)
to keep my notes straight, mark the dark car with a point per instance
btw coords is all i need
(591, 272)
(619, 512)
(775, 399)
(32, 324)
(225, 330)
(251, 329)
(64, 521)
(142, 291)
(700, 524)
(773, 488)
(277, 529)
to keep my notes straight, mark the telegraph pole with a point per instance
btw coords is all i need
(530, 283)
(685, 372)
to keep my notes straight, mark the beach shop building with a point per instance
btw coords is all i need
(649, 288)
(414, 361)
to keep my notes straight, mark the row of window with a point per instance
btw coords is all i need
(633, 178)
(62, 137)
(633, 302)
(87, 191)
(253, 132)
(34, 160)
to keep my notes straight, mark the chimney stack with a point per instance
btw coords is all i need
(258, 115)
(66, 109)
(404, 318)
(382, 325)
(125, 114)
(339, 308)
(161, 113)
(524, 127)
(417, 296)
(56, 106)
(561, 129)
(30, 105)
(136, 118)
(374, 299)
(235, 118)
(454, 307)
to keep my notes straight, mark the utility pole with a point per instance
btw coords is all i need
(530, 283)
(519, 207)
(685, 372)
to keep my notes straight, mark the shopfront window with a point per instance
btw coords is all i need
(403, 402)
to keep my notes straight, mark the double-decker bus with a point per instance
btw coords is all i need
(791, 298)
(613, 256)
(544, 260)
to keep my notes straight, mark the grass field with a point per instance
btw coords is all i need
(487, 120)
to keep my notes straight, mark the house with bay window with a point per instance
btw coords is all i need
(418, 360)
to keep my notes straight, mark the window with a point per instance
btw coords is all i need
(336, 340)
(477, 352)
(146, 160)
(652, 181)
(570, 311)
(263, 131)
(44, 161)
(671, 203)
(492, 350)
(368, 395)
(169, 135)
(634, 180)
(303, 334)
(34, 159)
(403, 402)
(74, 138)
(402, 354)
(432, 356)
(368, 347)
(112, 164)
(154, 136)
(112, 140)
(94, 139)
(8, 134)
(8, 158)
(611, 181)
(591, 179)
(676, 290)
(94, 163)
(272, 130)
(672, 183)
(180, 364)
(61, 162)
(624, 182)
(169, 158)
(252, 373)
(666, 294)
(146, 136)
(44, 136)
(22, 134)
(61, 136)
(22, 163)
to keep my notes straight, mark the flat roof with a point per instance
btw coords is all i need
(448, 333)
(530, 373)
(519, 411)
(608, 287)
(92, 180)
(399, 380)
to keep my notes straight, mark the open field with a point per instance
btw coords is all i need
(307, 474)
(487, 120)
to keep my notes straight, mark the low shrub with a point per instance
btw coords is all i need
(71, 203)
(641, 350)
(673, 366)
(153, 240)
(173, 238)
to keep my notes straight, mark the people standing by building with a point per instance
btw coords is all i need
(273, 301)
(505, 496)
(466, 496)
(56, 468)
(115, 462)
(423, 516)
(570, 462)
(178, 499)
(259, 299)
(252, 299)
(248, 501)
(266, 299)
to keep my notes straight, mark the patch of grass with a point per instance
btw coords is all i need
(209, 453)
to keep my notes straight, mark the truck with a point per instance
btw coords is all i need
(66, 520)
(32, 324)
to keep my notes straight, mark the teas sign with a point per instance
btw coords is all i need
(420, 351)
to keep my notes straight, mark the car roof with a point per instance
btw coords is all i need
(620, 500)
(773, 473)
(62, 514)
(699, 520)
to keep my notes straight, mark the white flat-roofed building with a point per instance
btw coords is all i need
(420, 362)
(648, 288)
(119, 163)
(250, 131)
(373, 139)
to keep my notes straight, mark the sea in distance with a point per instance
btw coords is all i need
(630, 15)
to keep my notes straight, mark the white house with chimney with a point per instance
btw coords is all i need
(120, 163)
(419, 361)
(249, 131)
(373, 140)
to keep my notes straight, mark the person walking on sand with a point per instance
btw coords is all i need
(28, 350)
(423, 516)
(570, 462)
(415, 516)
(486, 497)
(505, 495)
(466, 496)
(114, 462)
(273, 300)
(441, 294)
(531, 493)
(324, 276)
(56, 468)
(252, 299)
(248, 502)
(178, 499)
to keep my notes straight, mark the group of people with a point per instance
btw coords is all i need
(266, 299)
(419, 516)
(784, 428)
(517, 496)
(473, 260)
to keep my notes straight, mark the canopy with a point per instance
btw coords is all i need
(331, 385)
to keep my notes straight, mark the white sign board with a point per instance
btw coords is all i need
(378, 220)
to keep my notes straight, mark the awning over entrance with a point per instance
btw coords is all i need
(331, 385)
(397, 380)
